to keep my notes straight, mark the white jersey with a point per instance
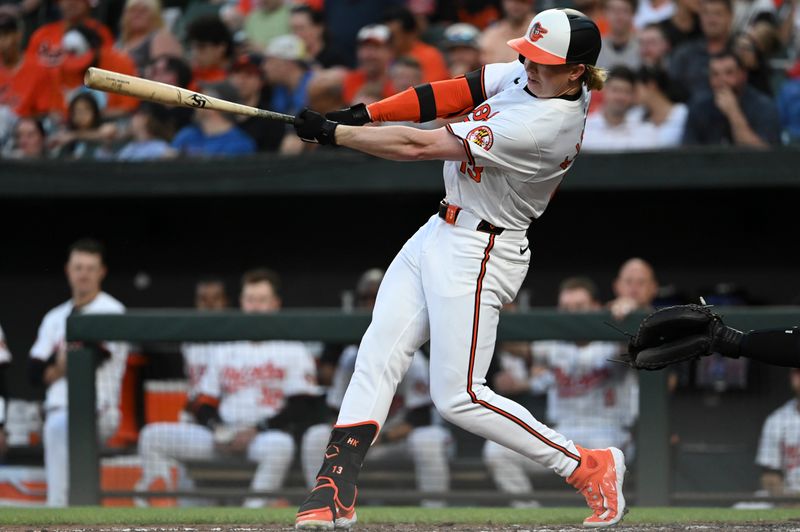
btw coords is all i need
(412, 392)
(5, 354)
(253, 379)
(518, 148)
(52, 337)
(779, 447)
(196, 358)
(587, 389)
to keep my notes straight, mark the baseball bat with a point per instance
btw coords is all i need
(155, 91)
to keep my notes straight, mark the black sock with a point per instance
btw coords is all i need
(343, 459)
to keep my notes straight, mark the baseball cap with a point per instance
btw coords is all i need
(250, 62)
(461, 34)
(374, 33)
(289, 47)
(558, 37)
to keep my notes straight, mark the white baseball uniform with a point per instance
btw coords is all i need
(5, 358)
(779, 447)
(108, 379)
(428, 446)
(250, 381)
(590, 400)
(450, 280)
(196, 357)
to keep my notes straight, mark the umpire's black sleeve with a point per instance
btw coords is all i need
(780, 347)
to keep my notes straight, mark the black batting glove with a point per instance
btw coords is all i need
(312, 126)
(356, 115)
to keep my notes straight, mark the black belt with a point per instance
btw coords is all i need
(449, 213)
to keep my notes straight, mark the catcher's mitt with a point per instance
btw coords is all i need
(675, 334)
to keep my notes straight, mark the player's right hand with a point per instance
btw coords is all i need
(357, 115)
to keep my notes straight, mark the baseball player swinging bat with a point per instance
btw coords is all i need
(154, 91)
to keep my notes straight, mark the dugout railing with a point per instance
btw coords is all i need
(652, 486)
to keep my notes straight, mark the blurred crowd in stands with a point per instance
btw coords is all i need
(681, 72)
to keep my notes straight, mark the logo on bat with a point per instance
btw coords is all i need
(537, 32)
(198, 101)
(482, 136)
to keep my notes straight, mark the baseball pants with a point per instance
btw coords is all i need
(448, 284)
(56, 450)
(428, 447)
(161, 444)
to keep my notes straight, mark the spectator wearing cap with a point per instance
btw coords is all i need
(517, 14)
(83, 48)
(309, 25)
(172, 71)
(25, 86)
(247, 76)
(461, 48)
(406, 42)
(690, 61)
(620, 46)
(654, 47)
(665, 117)
(652, 12)
(214, 134)
(210, 48)
(143, 35)
(614, 127)
(151, 131)
(371, 77)
(287, 71)
(268, 20)
(46, 43)
(734, 113)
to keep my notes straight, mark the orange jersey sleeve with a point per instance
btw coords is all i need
(440, 99)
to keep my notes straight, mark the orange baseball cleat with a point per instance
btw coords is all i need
(599, 479)
(323, 510)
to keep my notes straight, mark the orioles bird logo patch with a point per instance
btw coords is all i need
(537, 32)
(482, 136)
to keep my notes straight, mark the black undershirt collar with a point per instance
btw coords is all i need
(568, 97)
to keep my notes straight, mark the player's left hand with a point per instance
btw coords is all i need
(312, 126)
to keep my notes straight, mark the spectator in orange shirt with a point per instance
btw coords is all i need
(84, 48)
(406, 42)
(517, 16)
(143, 35)
(46, 42)
(210, 49)
(24, 85)
(371, 79)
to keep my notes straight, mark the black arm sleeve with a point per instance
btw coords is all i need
(206, 415)
(36, 367)
(419, 417)
(780, 347)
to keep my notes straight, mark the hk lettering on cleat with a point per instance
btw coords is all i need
(352, 441)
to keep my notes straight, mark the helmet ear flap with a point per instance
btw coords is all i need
(522, 59)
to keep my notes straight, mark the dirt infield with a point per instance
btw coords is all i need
(791, 526)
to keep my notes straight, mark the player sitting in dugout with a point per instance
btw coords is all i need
(251, 400)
